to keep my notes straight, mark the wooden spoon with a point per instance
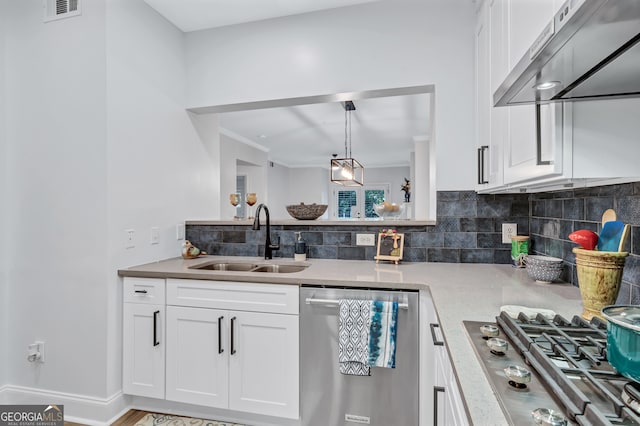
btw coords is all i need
(609, 215)
(623, 237)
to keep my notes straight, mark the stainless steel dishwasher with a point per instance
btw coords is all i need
(388, 397)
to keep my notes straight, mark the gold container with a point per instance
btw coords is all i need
(599, 278)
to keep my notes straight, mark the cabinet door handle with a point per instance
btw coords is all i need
(539, 161)
(156, 342)
(220, 350)
(141, 291)
(436, 391)
(233, 326)
(481, 151)
(436, 342)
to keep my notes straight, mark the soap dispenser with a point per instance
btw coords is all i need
(300, 252)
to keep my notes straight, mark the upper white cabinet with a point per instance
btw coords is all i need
(550, 146)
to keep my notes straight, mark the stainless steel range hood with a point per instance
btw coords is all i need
(589, 50)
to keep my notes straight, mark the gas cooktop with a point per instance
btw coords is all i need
(552, 371)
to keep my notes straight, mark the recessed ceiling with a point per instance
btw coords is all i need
(383, 130)
(194, 15)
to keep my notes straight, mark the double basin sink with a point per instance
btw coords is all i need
(249, 267)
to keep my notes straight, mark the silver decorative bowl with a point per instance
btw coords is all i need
(307, 211)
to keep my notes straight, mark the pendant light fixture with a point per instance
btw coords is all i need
(347, 171)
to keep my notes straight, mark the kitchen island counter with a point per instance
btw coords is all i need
(460, 291)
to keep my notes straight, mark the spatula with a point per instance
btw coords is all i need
(610, 236)
(609, 215)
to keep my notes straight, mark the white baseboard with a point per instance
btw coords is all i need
(83, 409)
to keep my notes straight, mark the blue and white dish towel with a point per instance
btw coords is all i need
(366, 335)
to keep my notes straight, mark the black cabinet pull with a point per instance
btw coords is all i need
(436, 342)
(233, 346)
(156, 342)
(220, 350)
(481, 151)
(141, 291)
(436, 390)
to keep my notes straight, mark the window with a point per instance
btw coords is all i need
(357, 203)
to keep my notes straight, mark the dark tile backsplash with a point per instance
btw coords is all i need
(554, 215)
(468, 229)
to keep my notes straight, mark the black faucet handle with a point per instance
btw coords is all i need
(275, 245)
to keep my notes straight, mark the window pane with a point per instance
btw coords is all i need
(371, 197)
(346, 200)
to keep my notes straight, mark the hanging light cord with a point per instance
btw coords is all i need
(345, 132)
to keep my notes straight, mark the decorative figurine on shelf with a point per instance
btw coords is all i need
(189, 251)
(407, 190)
(390, 246)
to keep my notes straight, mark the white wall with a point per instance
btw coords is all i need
(163, 165)
(56, 202)
(377, 45)
(4, 320)
(278, 181)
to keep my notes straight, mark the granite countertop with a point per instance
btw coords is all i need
(460, 291)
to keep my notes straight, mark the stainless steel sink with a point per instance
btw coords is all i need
(282, 269)
(250, 267)
(214, 266)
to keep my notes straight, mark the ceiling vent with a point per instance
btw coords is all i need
(60, 9)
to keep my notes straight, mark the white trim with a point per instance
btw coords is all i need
(233, 135)
(88, 410)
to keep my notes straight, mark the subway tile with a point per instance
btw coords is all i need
(448, 195)
(456, 208)
(537, 208)
(573, 209)
(443, 255)
(337, 238)
(460, 240)
(237, 249)
(562, 194)
(427, 239)
(635, 295)
(502, 256)
(476, 224)
(314, 238)
(370, 252)
(323, 252)
(414, 254)
(624, 295)
(351, 253)
(490, 240)
(551, 228)
(554, 248)
(553, 208)
(631, 271)
(595, 206)
(566, 227)
(535, 226)
(496, 208)
(591, 226)
(635, 240)
(636, 188)
(476, 256)
(520, 208)
(628, 210)
(469, 195)
(234, 236)
(447, 224)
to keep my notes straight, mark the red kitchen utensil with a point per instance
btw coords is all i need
(585, 238)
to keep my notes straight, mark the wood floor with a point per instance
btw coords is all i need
(128, 419)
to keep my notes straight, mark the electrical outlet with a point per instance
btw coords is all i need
(365, 239)
(509, 230)
(35, 352)
(129, 238)
(155, 235)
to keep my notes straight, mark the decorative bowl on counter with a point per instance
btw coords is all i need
(387, 210)
(304, 211)
(544, 269)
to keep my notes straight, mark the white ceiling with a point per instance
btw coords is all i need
(383, 130)
(193, 15)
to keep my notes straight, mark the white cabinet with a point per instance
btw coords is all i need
(143, 337)
(490, 128)
(444, 405)
(244, 359)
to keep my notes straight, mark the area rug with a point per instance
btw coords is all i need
(153, 419)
